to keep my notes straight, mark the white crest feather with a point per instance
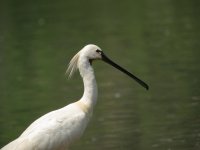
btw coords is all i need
(73, 65)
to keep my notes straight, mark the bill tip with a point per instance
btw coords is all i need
(147, 87)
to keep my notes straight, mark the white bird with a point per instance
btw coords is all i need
(56, 130)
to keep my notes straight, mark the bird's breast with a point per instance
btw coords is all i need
(84, 107)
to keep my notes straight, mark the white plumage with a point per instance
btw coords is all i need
(53, 131)
(58, 129)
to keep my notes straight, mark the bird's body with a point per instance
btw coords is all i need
(55, 130)
(58, 129)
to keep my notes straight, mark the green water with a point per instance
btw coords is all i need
(158, 40)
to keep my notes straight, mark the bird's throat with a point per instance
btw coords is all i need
(90, 87)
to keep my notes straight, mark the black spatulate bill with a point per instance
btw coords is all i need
(107, 60)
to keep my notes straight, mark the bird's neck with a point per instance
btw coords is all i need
(90, 87)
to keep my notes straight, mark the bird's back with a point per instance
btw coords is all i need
(53, 131)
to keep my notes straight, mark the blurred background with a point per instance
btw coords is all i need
(157, 40)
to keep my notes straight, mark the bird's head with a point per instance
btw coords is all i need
(92, 52)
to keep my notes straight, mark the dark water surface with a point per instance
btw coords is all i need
(158, 40)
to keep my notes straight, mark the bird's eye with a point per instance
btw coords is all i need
(98, 51)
